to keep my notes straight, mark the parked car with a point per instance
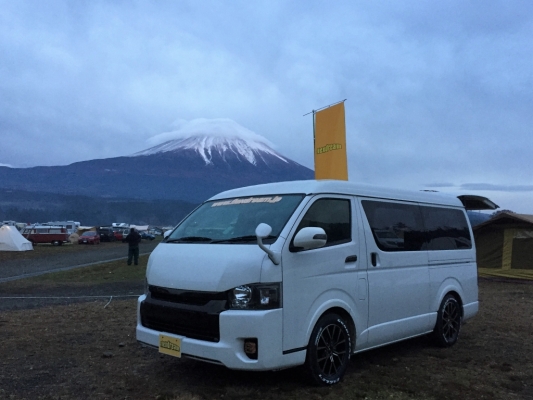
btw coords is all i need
(120, 233)
(89, 237)
(106, 234)
(55, 235)
(146, 235)
(320, 284)
(156, 231)
(125, 233)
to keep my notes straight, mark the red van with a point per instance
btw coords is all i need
(55, 235)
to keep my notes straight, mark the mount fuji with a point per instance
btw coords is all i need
(200, 166)
(189, 169)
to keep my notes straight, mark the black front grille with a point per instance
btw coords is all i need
(186, 313)
(185, 296)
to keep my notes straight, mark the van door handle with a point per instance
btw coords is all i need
(351, 259)
(374, 259)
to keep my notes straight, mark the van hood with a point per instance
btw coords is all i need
(204, 267)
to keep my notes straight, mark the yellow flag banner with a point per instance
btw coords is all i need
(330, 144)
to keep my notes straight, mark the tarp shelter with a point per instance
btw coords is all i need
(82, 229)
(140, 228)
(504, 246)
(73, 238)
(12, 240)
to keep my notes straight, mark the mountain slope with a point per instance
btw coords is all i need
(189, 169)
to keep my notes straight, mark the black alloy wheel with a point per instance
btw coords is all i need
(329, 349)
(448, 324)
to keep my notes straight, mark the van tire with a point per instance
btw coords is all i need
(55, 242)
(329, 349)
(448, 324)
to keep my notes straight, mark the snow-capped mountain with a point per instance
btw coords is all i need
(189, 168)
(226, 148)
(220, 139)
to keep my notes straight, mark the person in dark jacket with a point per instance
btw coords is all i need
(133, 240)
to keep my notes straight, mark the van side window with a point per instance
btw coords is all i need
(446, 229)
(395, 226)
(332, 215)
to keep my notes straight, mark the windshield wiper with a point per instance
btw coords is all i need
(190, 239)
(247, 238)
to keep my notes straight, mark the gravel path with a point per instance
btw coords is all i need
(32, 266)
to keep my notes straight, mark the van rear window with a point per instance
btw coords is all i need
(410, 227)
(446, 229)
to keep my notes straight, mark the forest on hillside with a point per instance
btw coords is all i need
(31, 207)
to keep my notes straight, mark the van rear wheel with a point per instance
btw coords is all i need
(329, 349)
(448, 324)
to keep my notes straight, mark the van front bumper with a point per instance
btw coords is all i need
(235, 327)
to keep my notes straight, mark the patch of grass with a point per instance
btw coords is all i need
(46, 249)
(115, 271)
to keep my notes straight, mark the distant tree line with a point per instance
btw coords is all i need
(30, 207)
(502, 211)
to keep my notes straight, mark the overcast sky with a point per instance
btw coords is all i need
(439, 93)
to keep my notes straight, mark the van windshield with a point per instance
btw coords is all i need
(234, 220)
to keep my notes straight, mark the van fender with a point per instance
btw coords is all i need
(330, 300)
(448, 285)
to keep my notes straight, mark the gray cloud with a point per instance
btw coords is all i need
(436, 92)
(500, 188)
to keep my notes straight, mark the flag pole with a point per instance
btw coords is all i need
(330, 105)
(315, 111)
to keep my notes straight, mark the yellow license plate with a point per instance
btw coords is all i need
(170, 345)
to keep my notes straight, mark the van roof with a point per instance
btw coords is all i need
(341, 187)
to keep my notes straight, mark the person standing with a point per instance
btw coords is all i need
(133, 240)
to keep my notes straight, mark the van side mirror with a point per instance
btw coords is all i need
(310, 238)
(262, 231)
(165, 235)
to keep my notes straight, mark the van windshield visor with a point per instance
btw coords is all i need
(231, 221)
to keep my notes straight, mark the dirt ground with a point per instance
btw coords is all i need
(65, 349)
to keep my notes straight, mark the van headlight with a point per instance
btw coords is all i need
(255, 296)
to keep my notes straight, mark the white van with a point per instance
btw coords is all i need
(310, 272)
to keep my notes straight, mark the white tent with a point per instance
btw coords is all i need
(12, 240)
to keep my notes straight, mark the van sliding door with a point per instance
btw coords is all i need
(398, 274)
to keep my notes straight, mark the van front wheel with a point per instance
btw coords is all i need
(448, 323)
(329, 350)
